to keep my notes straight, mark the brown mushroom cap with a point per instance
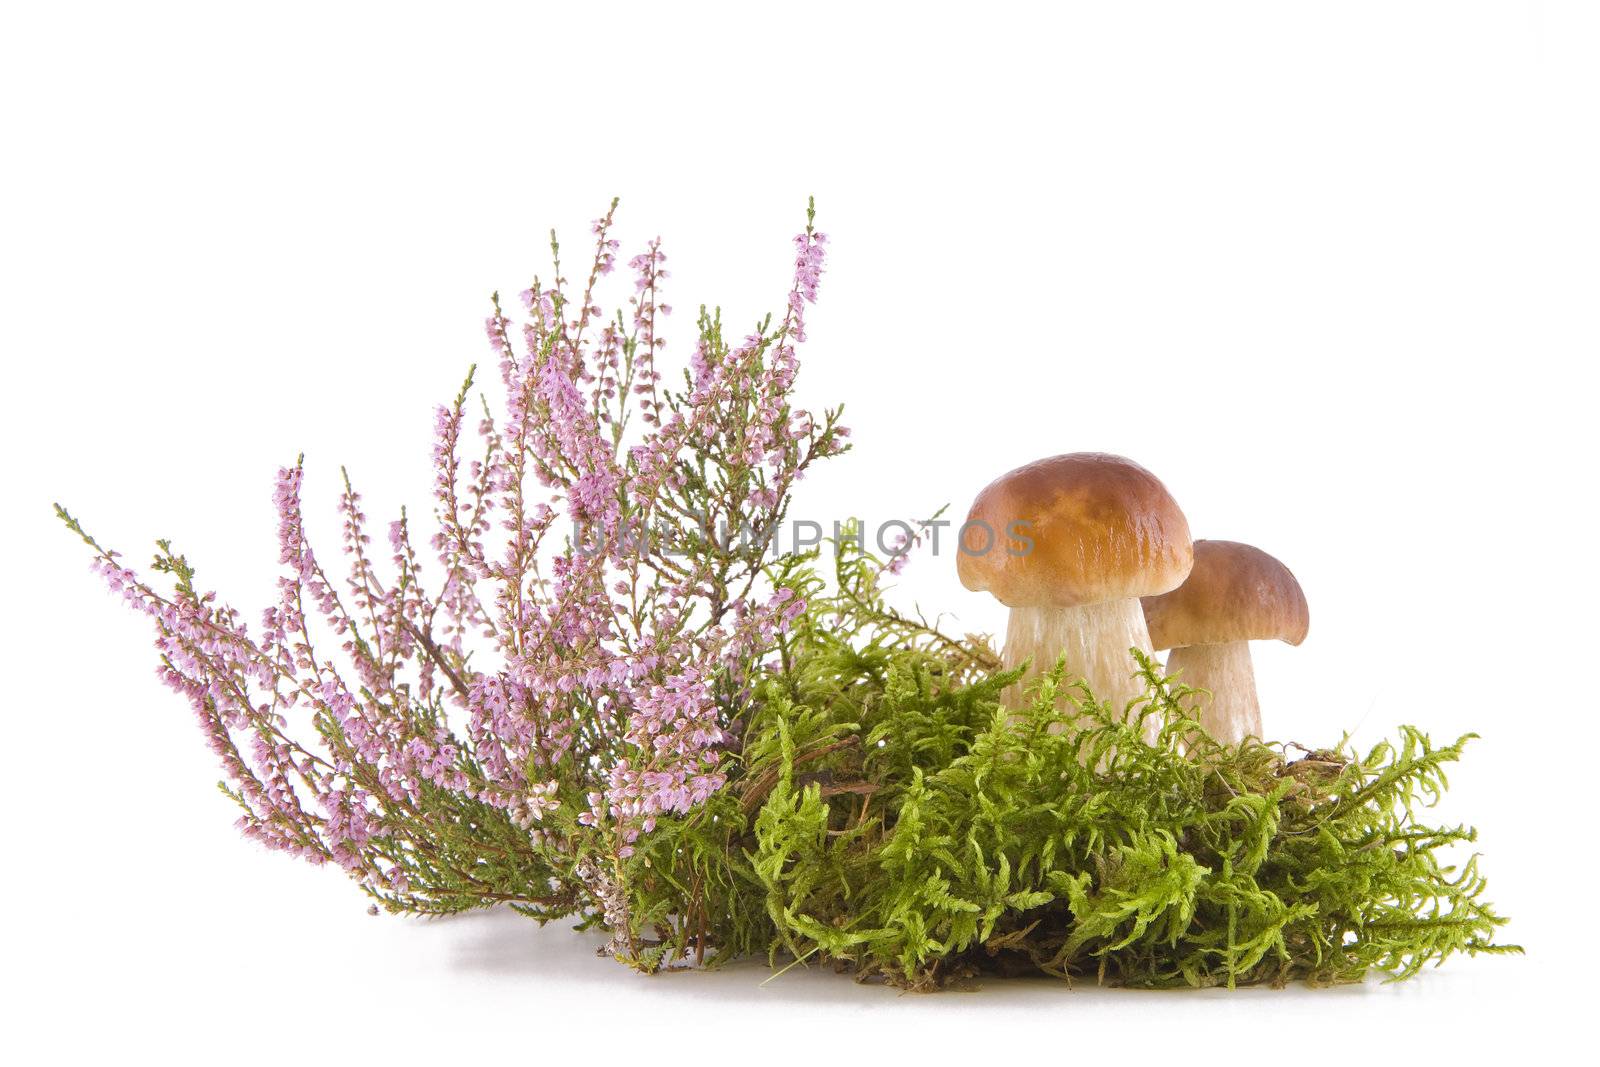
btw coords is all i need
(1235, 593)
(1101, 528)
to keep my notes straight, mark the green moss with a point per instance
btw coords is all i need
(885, 812)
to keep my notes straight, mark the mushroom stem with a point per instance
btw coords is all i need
(1094, 638)
(1228, 709)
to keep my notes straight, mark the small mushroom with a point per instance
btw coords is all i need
(1070, 544)
(1235, 594)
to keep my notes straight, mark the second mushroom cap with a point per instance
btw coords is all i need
(1236, 592)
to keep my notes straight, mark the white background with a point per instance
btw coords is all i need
(1330, 271)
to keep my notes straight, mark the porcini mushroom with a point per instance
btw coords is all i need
(1070, 544)
(1235, 594)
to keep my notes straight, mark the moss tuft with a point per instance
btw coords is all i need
(887, 814)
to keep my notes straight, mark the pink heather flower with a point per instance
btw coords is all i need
(512, 667)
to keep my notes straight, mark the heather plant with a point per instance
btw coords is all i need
(503, 713)
(595, 691)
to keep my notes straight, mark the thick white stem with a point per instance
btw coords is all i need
(1094, 638)
(1228, 710)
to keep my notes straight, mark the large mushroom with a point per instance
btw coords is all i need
(1235, 594)
(1070, 544)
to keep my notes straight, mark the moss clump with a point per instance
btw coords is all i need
(887, 814)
